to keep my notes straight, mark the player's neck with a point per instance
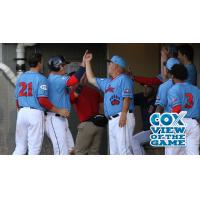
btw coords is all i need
(116, 75)
(178, 81)
(35, 69)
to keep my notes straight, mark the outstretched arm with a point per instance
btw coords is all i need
(89, 73)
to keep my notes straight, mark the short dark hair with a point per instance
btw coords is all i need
(179, 72)
(187, 50)
(34, 59)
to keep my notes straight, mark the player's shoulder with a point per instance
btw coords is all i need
(175, 88)
(58, 77)
(24, 76)
(124, 77)
(41, 78)
(190, 66)
(193, 87)
(41, 75)
(166, 84)
(34, 74)
(103, 79)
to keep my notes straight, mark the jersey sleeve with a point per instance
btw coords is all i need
(161, 98)
(173, 98)
(42, 87)
(127, 88)
(101, 83)
(147, 80)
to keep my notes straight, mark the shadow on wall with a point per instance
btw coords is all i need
(1, 114)
(1, 131)
(11, 131)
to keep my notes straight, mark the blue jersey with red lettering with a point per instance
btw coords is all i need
(115, 90)
(58, 91)
(29, 87)
(186, 95)
(161, 98)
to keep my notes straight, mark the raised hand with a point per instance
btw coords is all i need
(87, 57)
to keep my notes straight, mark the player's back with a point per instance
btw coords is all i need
(29, 87)
(189, 99)
(58, 91)
(161, 97)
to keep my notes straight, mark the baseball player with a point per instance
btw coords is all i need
(167, 51)
(146, 101)
(161, 99)
(183, 96)
(32, 99)
(185, 55)
(57, 127)
(118, 103)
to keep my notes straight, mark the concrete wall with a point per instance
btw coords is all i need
(7, 103)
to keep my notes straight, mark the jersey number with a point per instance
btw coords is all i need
(23, 92)
(189, 103)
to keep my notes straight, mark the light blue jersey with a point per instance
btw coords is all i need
(186, 95)
(29, 87)
(161, 98)
(115, 90)
(192, 74)
(58, 91)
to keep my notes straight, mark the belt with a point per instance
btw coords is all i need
(55, 114)
(197, 119)
(28, 107)
(117, 115)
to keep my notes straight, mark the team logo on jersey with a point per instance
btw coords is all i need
(43, 87)
(110, 89)
(168, 129)
(115, 100)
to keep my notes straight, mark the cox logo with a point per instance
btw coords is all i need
(168, 119)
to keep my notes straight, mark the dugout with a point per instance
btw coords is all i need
(142, 59)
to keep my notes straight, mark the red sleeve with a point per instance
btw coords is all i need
(72, 97)
(176, 109)
(44, 102)
(147, 80)
(73, 80)
(17, 104)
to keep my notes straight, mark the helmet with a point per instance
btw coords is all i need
(56, 62)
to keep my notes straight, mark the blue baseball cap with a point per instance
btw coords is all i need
(118, 60)
(171, 62)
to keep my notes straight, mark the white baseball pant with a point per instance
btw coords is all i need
(138, 140)
(57, 129)
(120, 139)
(29, 131)
(192, 140)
